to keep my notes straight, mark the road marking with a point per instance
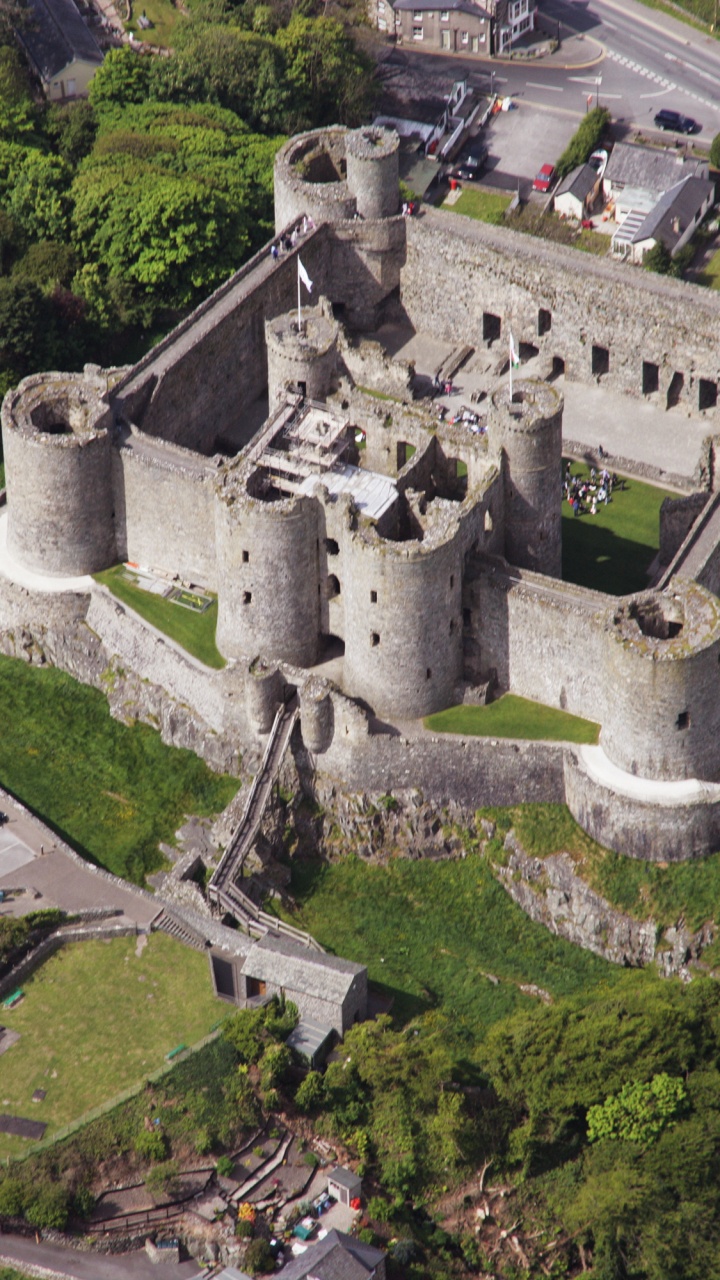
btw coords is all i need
(584, 79)
(659, 93)
(550, 88)
(611, 26)
(691, 67)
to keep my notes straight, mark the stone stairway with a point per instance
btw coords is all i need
(178, 928)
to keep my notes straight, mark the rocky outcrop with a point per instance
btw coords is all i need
(550, 892)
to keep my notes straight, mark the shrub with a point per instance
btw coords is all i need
(83, 1202)
(403, 1251)
(658, 259)
(311, 1093)
(13, 1194)
(379, 1210)
(151, 1144)
(203, 1141)
(49, 1208)
(164, 1179)
(224, 1166)
(274, 1065)
(311, 1160)
(259, 1260)
(244, 1230)
(584, 141)
(366, 1235)
(715, 152)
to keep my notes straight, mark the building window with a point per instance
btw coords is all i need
(444, 15)
(373, 597)
(246, 557)
(417, 33)
(464, 37)
(417, 15)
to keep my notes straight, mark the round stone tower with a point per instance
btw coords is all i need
(373, 175)
(662, 713)
(310, 178)
(267, 558)
(301, 360)
(57, 443)
(526, 431)
(316, 715)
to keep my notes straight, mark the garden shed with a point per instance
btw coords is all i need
(344, 1185)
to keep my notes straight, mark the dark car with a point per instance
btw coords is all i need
(675, 122)
(465, 172)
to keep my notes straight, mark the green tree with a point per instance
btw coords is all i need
(584, 141)
(259, 1259)
(715, 152)
(311, 1095)
(49, 1207)
(233, 68)
(18, 114)
(244, 1030)
(40, 198)
(124, 77)
(71, 129)
(26, 329)
(329, 77)
(658, 259)
(48, 263)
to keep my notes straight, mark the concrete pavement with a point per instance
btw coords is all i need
(59, 1262)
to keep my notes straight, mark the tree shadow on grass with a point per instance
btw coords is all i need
(594, 556)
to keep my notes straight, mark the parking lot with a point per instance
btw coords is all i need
(521, 140)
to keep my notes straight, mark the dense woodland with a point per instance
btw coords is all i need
(118, 214)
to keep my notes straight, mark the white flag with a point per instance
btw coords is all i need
(302, 273)
(514, 357)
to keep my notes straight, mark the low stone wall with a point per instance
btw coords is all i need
(42, 952)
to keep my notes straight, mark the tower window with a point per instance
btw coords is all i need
(246, 557)
(373, 597)
(247, 597)
(374, 639)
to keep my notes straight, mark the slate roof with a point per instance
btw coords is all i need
(344, 1177)
(457, 6)
(56, 36)
(649, 168)
(337, 1257)
(287, 963)
(681, 202)
(579, 182)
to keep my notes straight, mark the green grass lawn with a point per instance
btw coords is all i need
(96, 1018)
(710, 275)
(612, 551)
(114, 792)
(486, 206)
(431, 932)
(163, 15)
(513, 717)
(194, 631)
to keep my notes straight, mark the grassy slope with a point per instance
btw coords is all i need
(85, 1002)
(513, 717)
(486, 206)
(429, 932)
(194, 631)
(611, 551)
(114, 792)
(711, 274)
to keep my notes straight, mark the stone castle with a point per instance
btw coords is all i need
(377, 561)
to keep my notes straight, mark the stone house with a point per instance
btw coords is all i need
(461, 27)
(636, 177)
(61, 50)
(575, 197)
(327, 989)
(672, 221)
(337, 1257)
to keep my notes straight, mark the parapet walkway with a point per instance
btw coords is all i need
(699, 546)
(223, 891)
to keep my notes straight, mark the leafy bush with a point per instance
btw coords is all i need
(715, 152)
(274, 1066)
(49, 1207)
(244, 1230)
(584, 141)
(311, 1095)
(13, 1196)
(224, 1167)
(164, 1179)
(639, 1112)
(311, 1160)
(379, 1210)
(151, 1144)
(83, 1202)
(259, 1260)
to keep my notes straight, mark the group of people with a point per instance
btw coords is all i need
(288, 241)
(585, 494)
(408, 209)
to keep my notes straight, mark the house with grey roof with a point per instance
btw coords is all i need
(337, 1257)
(576, 193)
(61, 50)
(671, 221)
(461, 26)
(329, 992)
(636, 177)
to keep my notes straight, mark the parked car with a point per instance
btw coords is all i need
(675, 122)
(598, 161)
(465, 172)
(545, 178)
(476, 152)
(3, 818)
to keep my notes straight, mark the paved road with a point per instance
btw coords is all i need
(57, 1260)
(650, 61)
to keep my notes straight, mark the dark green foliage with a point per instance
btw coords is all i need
(658, 259)
(584, 141)
(151, 1144)
(71, 129)
(224, 1167)
(244, 1030)
(311, 1095)
(25, 325)
(48, 263)
(259, 1260)
(715, 152)
(49, 1207)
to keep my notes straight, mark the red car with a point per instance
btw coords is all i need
(545, 178)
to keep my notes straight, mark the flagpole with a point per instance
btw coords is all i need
(299, 304)
(511, 366)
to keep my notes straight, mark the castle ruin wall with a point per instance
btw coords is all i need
(606, 322)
